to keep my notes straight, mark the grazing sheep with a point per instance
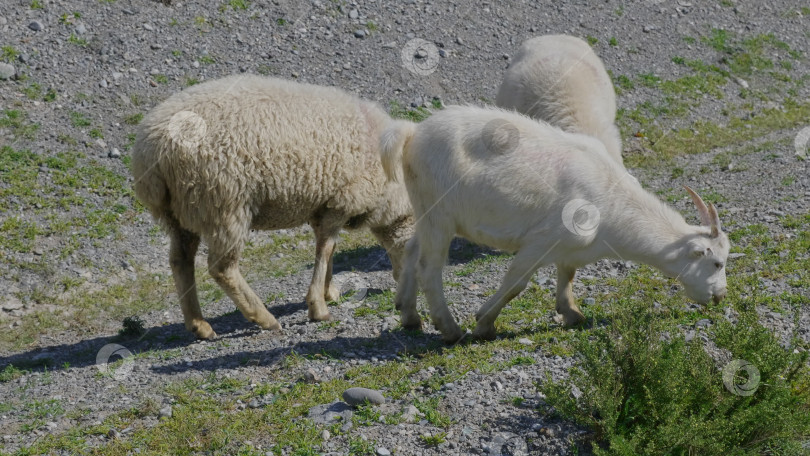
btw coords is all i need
(246, 152)
(504, 180)
(560, 80)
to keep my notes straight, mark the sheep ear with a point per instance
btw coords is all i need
(703, 211)
(715, 220)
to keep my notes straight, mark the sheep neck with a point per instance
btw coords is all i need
(639, 227)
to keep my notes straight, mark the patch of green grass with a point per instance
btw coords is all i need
(235, 5)
(134, 119)
(281, 21)
(413, 114)
(623, 82)
(649, 80)
(646, 390)
(79, 120)
(10, 372)
(613, 41)
(36, 4)
(206, 59)
(161, 78)
(430, 407)
(15, 121)
(191, 81)
(96, 133)
(591, 40)
(8, 54)
(434, 439)
(77, 40)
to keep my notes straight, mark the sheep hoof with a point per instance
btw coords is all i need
(453, 337)
(203, 330)
(333, 294)
(319, 316)
(569, 319)
(484, 332)
(412, 323)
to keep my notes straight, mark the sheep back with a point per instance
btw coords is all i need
(250, 152)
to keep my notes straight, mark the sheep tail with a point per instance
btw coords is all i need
(393, 142)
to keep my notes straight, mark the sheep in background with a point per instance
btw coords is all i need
(504, 180)
(560, 80)
(246, 152)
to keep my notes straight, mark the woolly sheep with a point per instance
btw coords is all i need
(560, 80)
(507, 181)
(246, 152)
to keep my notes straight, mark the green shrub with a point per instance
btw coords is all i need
(648, 392)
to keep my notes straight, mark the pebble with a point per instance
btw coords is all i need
(12, 303)
(382, 451)
(525, 341)
(7, 71)
(353, 14)
(357, 396)
(165, 412)
(648, 28)
(81, 29)
(589, 301)
(35, 26)
(359, 33)
(703, 323)
(325, 435)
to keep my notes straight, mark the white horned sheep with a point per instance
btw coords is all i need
(247, 152)
(560, 80)
(507, 181)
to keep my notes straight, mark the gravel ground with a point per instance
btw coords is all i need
(109, 60)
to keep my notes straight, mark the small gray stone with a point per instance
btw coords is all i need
(103, 84)
(703, 323)
(442, 53)
(330, 413)
(115, 153)
(736, 255)
(7, 71)
(357, 396)
(165, 412)
(325, 435)
(81, 29)
(589, 301)
(12, 303)
(648, 28)
(359, 33)
(382, 451)
(525, 341)
(254, 403)
(353, 14)
(35, 26)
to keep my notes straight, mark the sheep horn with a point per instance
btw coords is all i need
(703, 211)
(715, 220)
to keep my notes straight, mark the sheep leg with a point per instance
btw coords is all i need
(568, 314)
(432, 256)
(325, 240)
(223, 265)
(183, 247)
(407, 288)
(523, 266)
(332, 291)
